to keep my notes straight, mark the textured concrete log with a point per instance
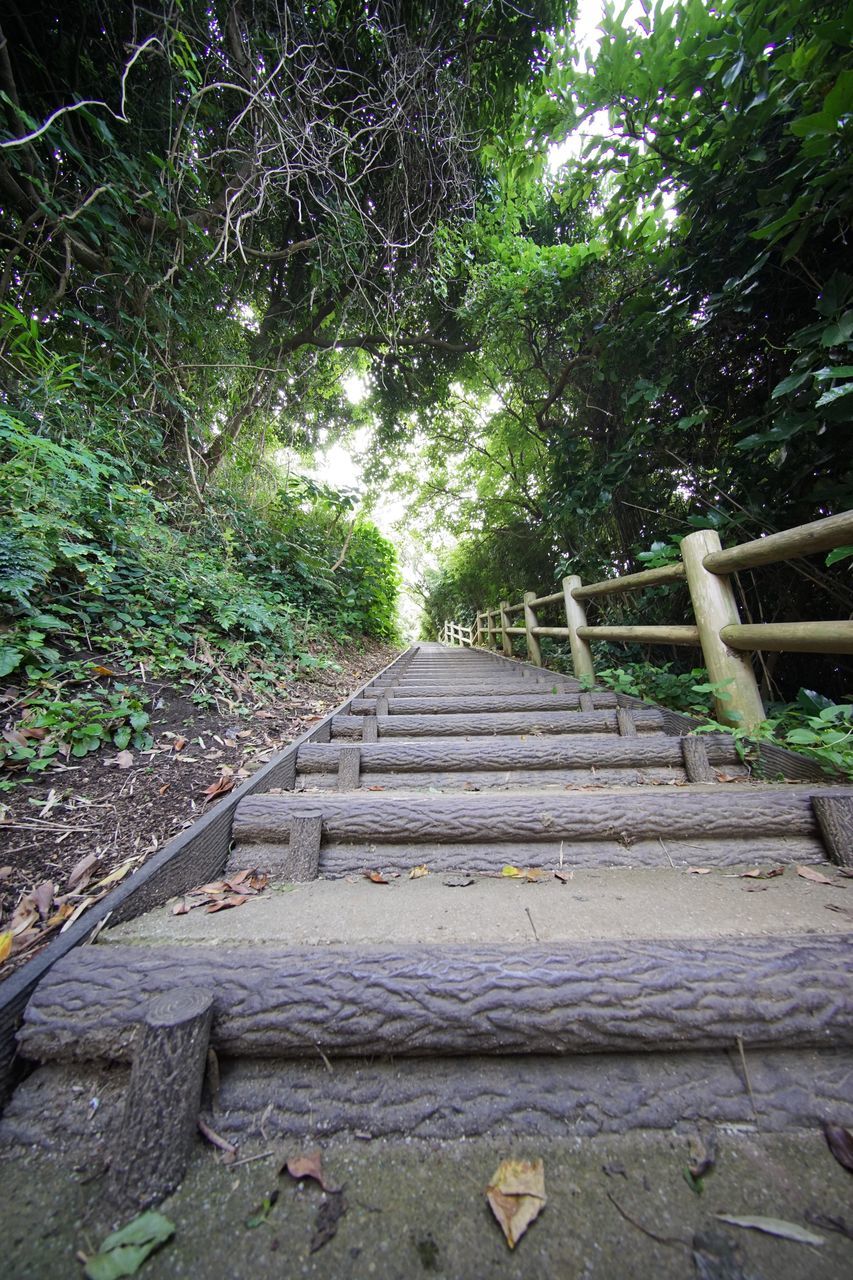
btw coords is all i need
(697, 766)
(441, 1098)
(598, 997)
(161, 1110)
(305, 837)
(835, 819)
(370, 729)
(626, 723)
(534, 649)
(349, 768)
(501, 722)
(502, 754)
(585, 816)
(478, 704)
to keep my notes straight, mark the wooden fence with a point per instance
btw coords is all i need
(725, 641)
(452, 633)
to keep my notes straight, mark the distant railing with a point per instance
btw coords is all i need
(452, 633)
(717, 630)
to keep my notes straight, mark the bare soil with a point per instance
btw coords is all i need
(116, 809)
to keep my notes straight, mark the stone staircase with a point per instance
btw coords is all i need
(582, 956)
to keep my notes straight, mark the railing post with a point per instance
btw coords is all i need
(506, 638)
(534, 649)
(576, 617)
(479, 639)
(714, 607)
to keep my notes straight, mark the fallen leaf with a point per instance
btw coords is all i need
(772, 1227)
(215, 1138)
(329, 1215)
(698, 871)
(845, 911)
(102, 671)
(458, 882)
(6, 940)
(755, 873)
(25, 914)
(375, 876)
(809, 873)
(564, 876)
(840, 1142)
(220, 787)
(223, 904)
(417, 873)
(165, 787)
(43, 896)
(516, 1195)
(532, 874)
(5, 873)
(123, 1252)
(308, 1166)
(118, 874)
(80, 869)
(702, 1151)
(124, 759)
(259, 1216)
(179, 744)
(511, 872)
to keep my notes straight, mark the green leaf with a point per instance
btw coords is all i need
(834, 393)
(9, 659)
(123, 1252)
(840, 553)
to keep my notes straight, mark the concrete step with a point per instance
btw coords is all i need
(657, 995)
(477, 703)
(633, 826)
(473, 724)
(539, 761)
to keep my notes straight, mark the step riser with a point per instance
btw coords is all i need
(594, 998)
(449, 1098)
(527, 779)
(337, 860)
(409, 726)
(656, 814)
(480, 704)
(577, 751)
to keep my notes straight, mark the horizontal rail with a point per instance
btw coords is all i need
(561, 632)
(556, 598)
(642, 635)
(791, 637)
(804, 540)
(631, 582)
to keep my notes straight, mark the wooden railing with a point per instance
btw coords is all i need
(724, 640)
(452, 633)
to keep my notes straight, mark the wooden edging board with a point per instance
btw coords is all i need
(192, 857)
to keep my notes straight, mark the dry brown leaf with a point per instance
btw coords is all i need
(222, 904)
(564, 876)
(417, 873)
(124, 759)
(516, 1195)
(43, 896)
(755, 873)
(840, 1142)
(25, 914)
(220, 787)
(308, 1166)
(376, 877)
(102, 671)
(698, 871)
(532, 874)
(817, 877)
(81, 869)
(179, 744)
(5, 873)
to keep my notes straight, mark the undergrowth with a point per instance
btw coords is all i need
(811, 725)
(102, 576)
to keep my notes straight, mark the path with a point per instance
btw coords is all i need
(583, 964)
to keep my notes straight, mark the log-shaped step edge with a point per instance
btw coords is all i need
(643, 826)
(480, 724)
(574, 999)
(477, 704)
(508, 753)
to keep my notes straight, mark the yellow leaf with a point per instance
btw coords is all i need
(417, 872)
(5, 945)
(119, 873)
(516, 1195)
(511, 871)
